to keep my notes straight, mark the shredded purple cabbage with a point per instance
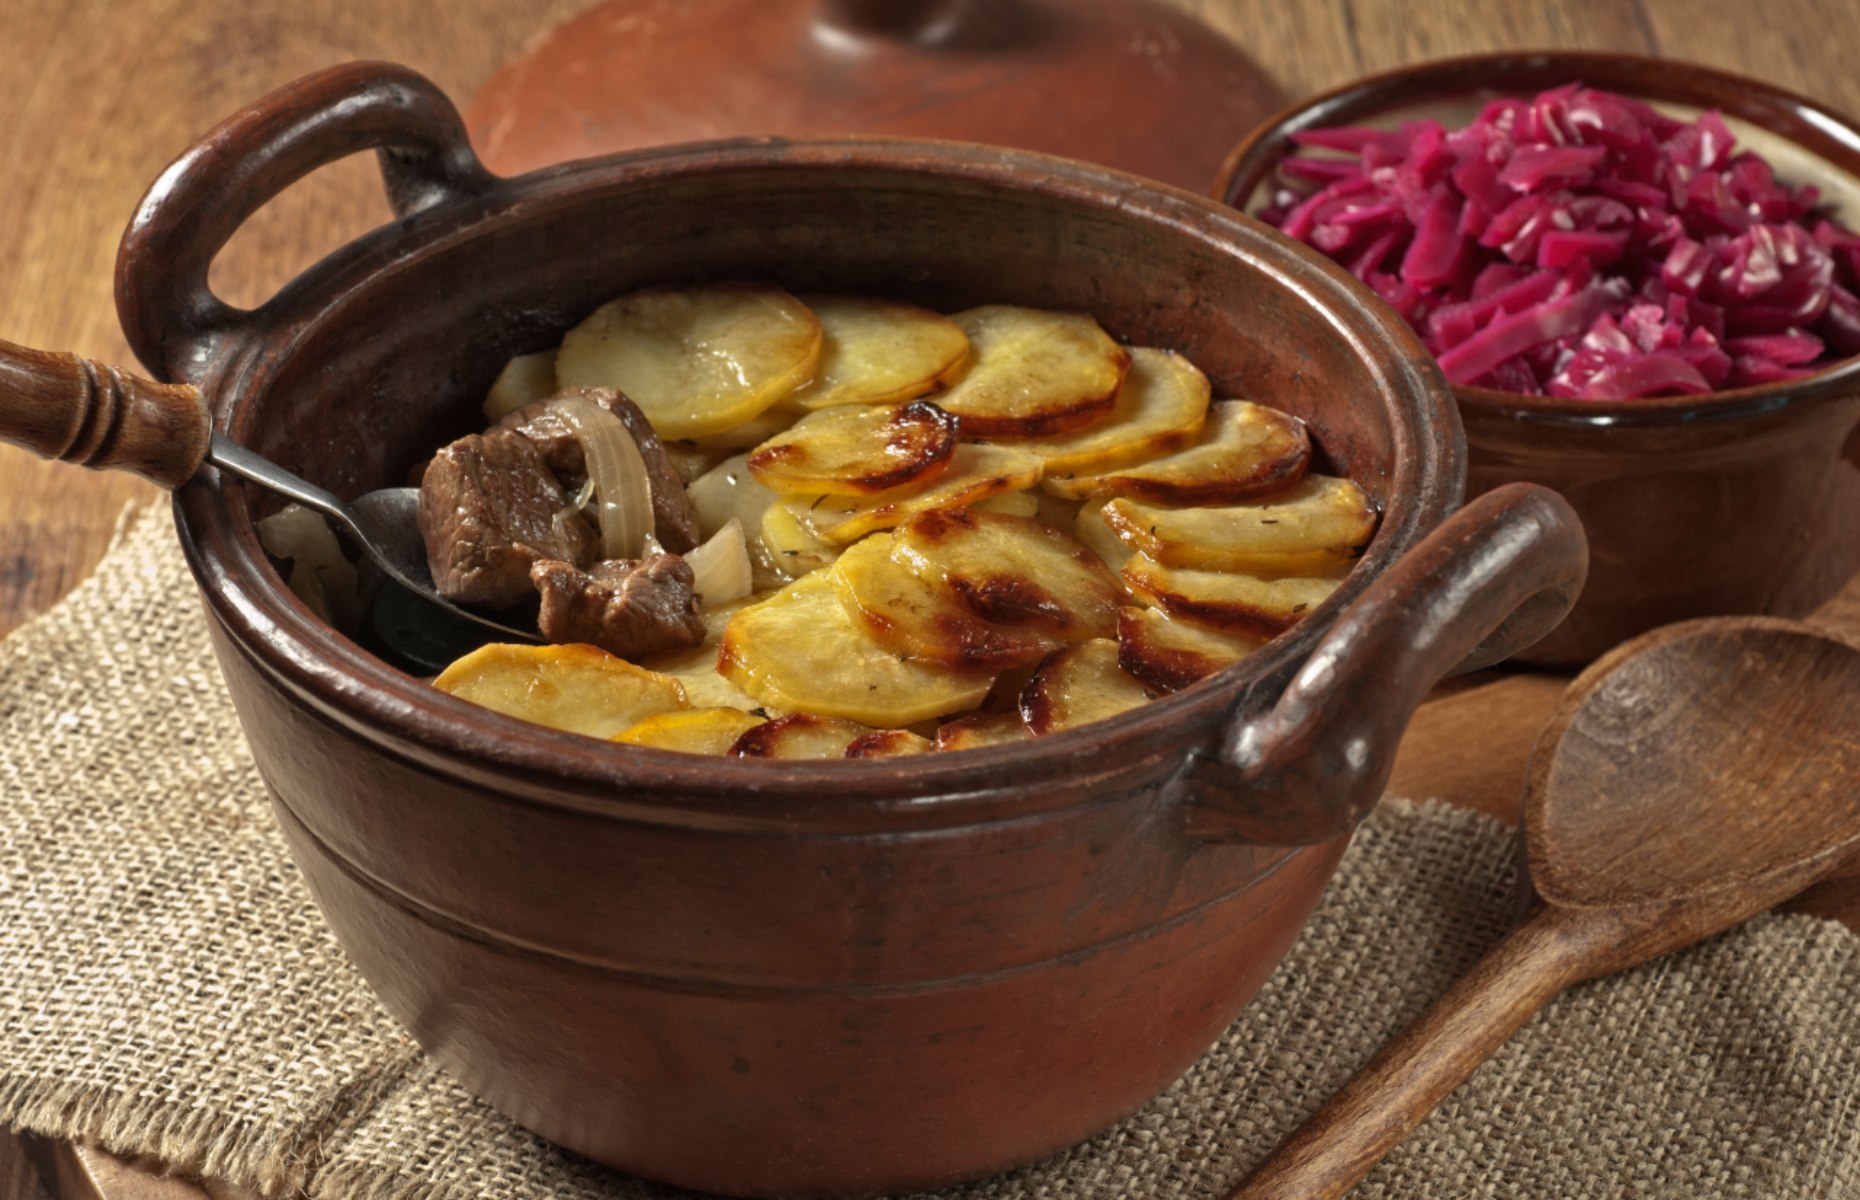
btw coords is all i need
(1582, 244)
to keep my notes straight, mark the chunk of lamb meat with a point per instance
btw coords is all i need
(629, 607)
(674, 519)
(488, 510)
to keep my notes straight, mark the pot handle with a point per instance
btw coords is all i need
(172, 319)
(1493, 578)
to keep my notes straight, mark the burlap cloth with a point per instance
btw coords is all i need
(167, 988)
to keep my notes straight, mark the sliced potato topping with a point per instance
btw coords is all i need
(1019, 504)
(1236, 602)
(1091, 531)
(692, 730)
(1012, 570)
(792, 548)
(1161, 408)
(1078, 685)
(1034, 373)
(858, 450)
(799, 735)
(800, 651)
(975, 473)
(577, 688)
(751, 433)
(889, 743)
(1244, 450)
(691, 460)
(696, 360)
(695, 667)
(524, 380)
(923, 621)
(1309, 528)
(880, 351)
(1168, 654)
(985, 729)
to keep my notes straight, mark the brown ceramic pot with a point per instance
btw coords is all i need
(1744, 501)
(757, 977)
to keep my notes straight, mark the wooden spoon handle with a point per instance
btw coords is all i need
(69, 408)
(1409, 1078)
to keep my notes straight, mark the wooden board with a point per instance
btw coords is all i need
(113, 89)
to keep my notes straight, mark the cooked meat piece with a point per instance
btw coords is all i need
(674, 519)
(488, 509)
(629, 607)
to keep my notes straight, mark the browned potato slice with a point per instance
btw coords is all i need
(800, 651)
(858, 450)
(1091, 531)
(880, 351)
(1235, 602)
(697, 360)
(987, 729)
(1034, 373)
(889, 743)
(975, 473)
(524, 380)
(1078, 685)
(1019, 504)
(800, 735)
(1311, 527)
(923, 621)
(576, 688)
(692, 730)
(792, 548)
(1161, 407)
(1169, 654)
(695, 667)
(1244, 450)
(1012, 570)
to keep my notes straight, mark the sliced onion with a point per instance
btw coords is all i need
(617, 472)
(720, 567)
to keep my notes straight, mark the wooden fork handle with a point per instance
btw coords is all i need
(69, 408)
(1411, 1075)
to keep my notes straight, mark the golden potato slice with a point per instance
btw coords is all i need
(880, 351)
(1079, 685)
(792, 547)
(577, 688)
(1165, 653)
(975, 473)
(695, 667)
(751, 433)
(692, 730)
(1033, 373)
(524, 380)
(1091, 531)
(1232, 601)
(858, 450)
(923, 621)
(1161, 408)
(1311, 527)
(1244, 450)
(696, 360)
(986, 729)
(800, 651)
(889, 743)
(799, 735)
(1012, 570)
(1019, 504)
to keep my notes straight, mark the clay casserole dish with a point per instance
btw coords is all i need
(757, 977)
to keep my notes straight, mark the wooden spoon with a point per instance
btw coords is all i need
(1687, 781)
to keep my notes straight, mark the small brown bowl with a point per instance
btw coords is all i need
(1744, 501)
(755, 977)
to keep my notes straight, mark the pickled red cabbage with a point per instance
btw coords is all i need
(1582, 244)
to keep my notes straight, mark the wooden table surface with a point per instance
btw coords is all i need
(96, 96)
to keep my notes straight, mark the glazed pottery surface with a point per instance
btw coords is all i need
(756, 977)
(1744, 501)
